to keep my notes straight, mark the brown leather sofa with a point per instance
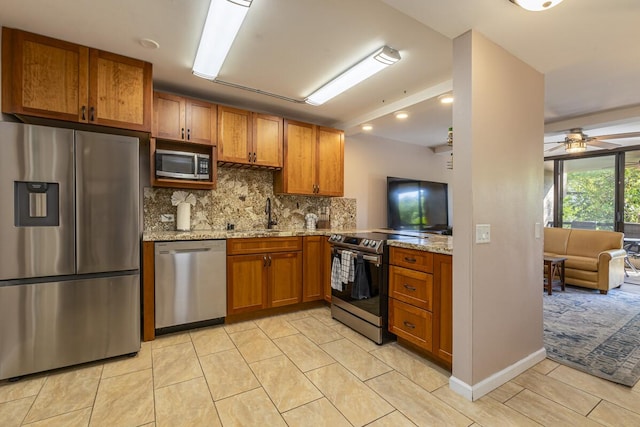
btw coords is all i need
(595, 258)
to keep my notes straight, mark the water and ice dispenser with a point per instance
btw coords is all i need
(36, 204)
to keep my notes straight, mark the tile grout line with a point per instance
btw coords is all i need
(206, 381)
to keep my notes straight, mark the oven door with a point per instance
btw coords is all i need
(369, 309)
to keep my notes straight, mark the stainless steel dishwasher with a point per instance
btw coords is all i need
(191, 282)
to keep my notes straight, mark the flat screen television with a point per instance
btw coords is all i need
(417, 205)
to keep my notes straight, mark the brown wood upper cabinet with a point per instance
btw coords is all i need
(248, 138)
(176, 118)
(313, 161)
(55, 79)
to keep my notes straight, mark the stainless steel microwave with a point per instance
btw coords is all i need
(183, 165)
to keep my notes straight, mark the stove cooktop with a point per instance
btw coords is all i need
(369, 242)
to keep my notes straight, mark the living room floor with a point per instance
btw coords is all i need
(299, 369)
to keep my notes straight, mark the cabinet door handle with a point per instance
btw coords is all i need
(249, 157)
(411, 260)
(269, 260)
(91, 113)
(409, 325)
(181, 133)
(188, 134)
(84, 112)
(264, 260)
(255, 158)
(409, 288)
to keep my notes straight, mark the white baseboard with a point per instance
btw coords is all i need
(478, 390)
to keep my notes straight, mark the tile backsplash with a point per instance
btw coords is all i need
(240, 199)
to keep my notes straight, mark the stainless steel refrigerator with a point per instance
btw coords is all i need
(69, 247)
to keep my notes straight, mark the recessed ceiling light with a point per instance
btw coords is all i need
(149, 44)
(446, 98)
(367, 127)
(401, 115)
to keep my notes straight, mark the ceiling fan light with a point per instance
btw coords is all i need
(536, 5)
(372, 64)
(222, 24)
(573, 146)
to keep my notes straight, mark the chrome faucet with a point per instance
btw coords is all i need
(267, 210)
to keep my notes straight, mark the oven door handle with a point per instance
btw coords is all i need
(366, 257)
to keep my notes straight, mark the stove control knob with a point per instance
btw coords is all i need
(365, 242)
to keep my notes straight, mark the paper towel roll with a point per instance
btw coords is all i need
(183, 222)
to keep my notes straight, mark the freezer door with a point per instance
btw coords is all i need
(50, 325)
(107, 202)
(37, 234)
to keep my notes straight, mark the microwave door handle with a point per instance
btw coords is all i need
(195, 166)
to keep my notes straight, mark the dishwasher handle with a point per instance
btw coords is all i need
(184, 251)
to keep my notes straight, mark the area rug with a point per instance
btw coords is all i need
(594, 333)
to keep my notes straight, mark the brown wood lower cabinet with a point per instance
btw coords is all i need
(313, 268)
(411, 323)
(420, 301)
(443, 300)
(263, 273)
(326, 268)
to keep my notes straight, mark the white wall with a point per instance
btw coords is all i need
(497, 303)
(367, 163)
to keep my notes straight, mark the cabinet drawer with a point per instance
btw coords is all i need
(412, 287)
(256, 245)
(410, 323)
(413, 259)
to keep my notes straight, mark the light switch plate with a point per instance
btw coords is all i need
(538, 230)
(167, 218)
(483, 233)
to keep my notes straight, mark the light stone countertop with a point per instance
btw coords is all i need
(429, 243)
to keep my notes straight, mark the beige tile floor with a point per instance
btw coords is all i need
(300, 369)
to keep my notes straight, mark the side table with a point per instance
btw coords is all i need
(554, 266)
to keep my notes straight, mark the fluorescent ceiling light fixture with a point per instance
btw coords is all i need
(367, 127)
(220, 29)
(536, 5)
(447, 98)
(377, 61)
(401, 115)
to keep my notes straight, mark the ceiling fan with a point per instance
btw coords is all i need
(576, 141)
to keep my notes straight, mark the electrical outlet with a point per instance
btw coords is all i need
(167, 218)
(483, 233)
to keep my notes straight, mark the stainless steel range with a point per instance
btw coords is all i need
(361, 301)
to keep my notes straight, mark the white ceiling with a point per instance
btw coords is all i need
(587, 50)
